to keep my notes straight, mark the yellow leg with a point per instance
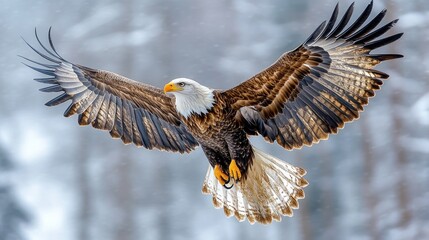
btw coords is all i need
(220, 175)
(234, 171)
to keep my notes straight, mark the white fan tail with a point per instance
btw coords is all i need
(271, 190)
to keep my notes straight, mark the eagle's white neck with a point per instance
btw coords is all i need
(198, 100)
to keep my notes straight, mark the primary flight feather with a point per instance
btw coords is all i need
(304, 96)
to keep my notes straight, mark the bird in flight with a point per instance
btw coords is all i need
(304, 96)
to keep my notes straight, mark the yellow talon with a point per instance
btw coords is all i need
(234, 171)
(220, 175)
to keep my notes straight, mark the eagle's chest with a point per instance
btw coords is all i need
(213, 125)
(206, 125)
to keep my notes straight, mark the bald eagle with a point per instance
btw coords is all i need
(307, 94)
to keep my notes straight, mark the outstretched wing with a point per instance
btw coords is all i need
(130, 110)
(312, 91)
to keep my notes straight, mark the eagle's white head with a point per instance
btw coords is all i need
(191, 97)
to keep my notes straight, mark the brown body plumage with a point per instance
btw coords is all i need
(220, 135)
(304, 96)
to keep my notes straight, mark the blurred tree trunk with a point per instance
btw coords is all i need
(83, 187)
(398, 131)
(12, 215)
(368, 175)
(423, 54)
(124, 198)
(329, 181)
(306, 230)
(400, 153)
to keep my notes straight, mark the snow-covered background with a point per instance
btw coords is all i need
(62, 181)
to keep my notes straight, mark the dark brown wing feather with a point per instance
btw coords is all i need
(132, 111)
(312, 91)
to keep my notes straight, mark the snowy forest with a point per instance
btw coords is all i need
(62, 181)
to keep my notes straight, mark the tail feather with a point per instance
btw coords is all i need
(271, 190)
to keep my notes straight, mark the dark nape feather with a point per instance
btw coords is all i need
(368, 27)
(343, 22)
(361, 19)
(382, 42)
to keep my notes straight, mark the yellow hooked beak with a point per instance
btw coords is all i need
(171, 87)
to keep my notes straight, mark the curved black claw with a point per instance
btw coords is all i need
(229, 186)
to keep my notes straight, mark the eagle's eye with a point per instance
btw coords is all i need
(181, 84)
